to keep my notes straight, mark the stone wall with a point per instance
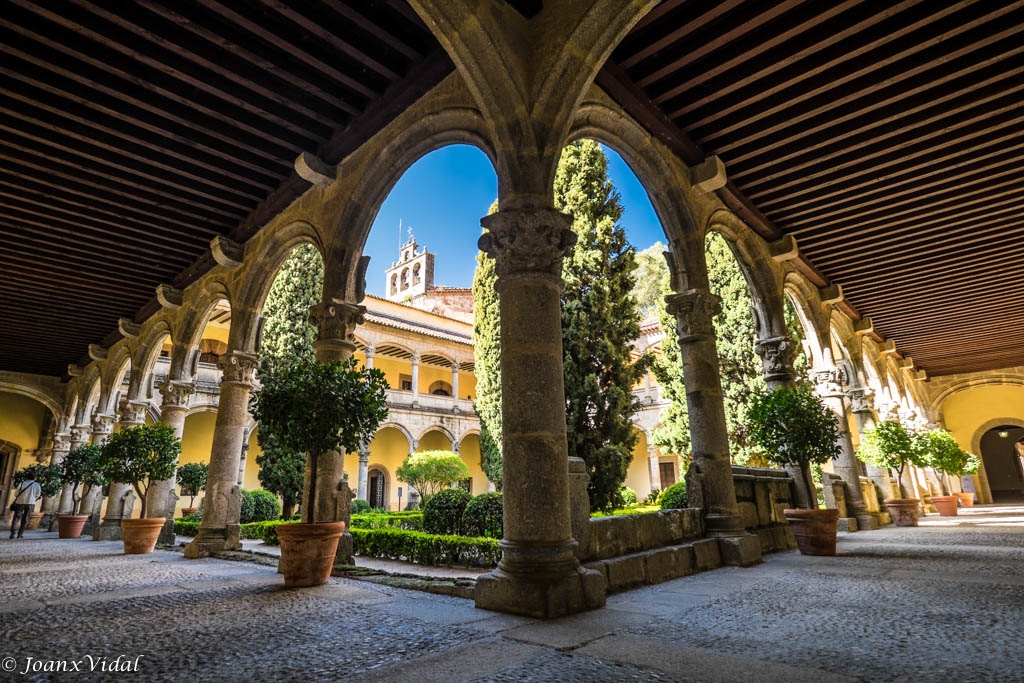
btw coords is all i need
(762, 495)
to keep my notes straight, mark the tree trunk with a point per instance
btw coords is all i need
(899, 482)
(287, 510)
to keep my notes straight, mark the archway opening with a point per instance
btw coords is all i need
(1002, 450)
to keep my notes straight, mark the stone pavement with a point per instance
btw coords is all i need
(941, 602)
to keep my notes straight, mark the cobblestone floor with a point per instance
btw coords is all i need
(941, 602)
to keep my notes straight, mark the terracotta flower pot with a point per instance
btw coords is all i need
(307, 552)
(140, 535)
(904, 511)
(966, 499)
(70, 526)
(815, 530)
(946, 505)
(33, 521)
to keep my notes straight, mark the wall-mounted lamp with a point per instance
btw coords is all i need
(1003, 434)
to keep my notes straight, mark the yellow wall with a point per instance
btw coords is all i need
(21, 421)
(433, 373)
(467, 385)
(196, 444)
(388, 450)
(434, 441)
(638, 475)
(965, 412)
(469, 449)
(392, 368)
(251, 479)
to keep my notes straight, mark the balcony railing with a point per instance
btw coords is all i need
(404, 399)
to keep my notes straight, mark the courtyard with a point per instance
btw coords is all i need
(943, 601)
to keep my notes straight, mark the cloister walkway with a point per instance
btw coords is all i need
(944, 601)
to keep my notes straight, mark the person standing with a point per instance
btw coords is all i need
(25, 502)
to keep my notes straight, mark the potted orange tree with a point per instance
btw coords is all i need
(891, 446)
(940, 450)
(192, 480)
(313, 408)
(794, 427)
(80, 467)
(140, 456)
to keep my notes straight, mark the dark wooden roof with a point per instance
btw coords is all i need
(133, 133)
(885, 136)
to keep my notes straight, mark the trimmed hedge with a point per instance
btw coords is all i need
(259, 506)
(675, 496)
(410, 521)
(430, 549)
(359, 505)
(443, 512)
(184, 527)
(628, 496)
(484, 516)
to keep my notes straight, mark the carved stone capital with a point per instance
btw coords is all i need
(829, 381)
(337, 321)
(862, 400)
(176, 394)
(80, 434)
(103, 425)
(61, 442)
(133, 412)
(527, 241)
(777, 355)
(238, 367)
(694, 311)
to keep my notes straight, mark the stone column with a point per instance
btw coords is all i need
(538, 574)
(693, 311)
(336, 324)
(829, 385)
(120, 497)
(160, 499)
(79, 437)
(654, 467)
(455, 385)
(102, 428)
(415, 377)
(243, 458)
(222, 505)
(862, 404)
(61, 447)
(777, 354)
(364, 463)
(370, 353)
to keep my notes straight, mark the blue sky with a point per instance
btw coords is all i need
(443, 196)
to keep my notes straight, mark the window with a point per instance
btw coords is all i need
(405, 382)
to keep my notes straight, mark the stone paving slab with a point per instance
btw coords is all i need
(941, 602)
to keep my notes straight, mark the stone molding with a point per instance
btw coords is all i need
(694, 311)
(525, 241)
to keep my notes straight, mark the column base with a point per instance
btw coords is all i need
(110, 530)
(868, 521)
(739, 551)
(49, 521)
(345, 554)
(578, 591)
(214, 539)
(848, 524)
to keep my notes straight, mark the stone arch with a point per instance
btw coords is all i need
(400, 428)
(806, 304)
(936, 402)
(191, 325)
(382, 498)
(990, 425)
(444, 431)
(146, 353)
(117, 361)
(447, 124)
(90, 389)
(52, 403)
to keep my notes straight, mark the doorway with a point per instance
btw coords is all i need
(377, 488)
(1002, 450)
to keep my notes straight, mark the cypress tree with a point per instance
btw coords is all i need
(487, 368)
(600, 320)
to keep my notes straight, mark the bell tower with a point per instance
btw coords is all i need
(412, 274)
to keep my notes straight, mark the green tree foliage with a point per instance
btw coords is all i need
(889, 445)
(675, 497)
(600, 320)
(287, 332)
(442, 513)
(47, 476)
(81, 467)
(794, 427)
(430, 471)
(192, 480)
(140, 456)
(484, 516)
(314, 407)
(487, 364)
(939, 450)
(288, 335)
(259, 506)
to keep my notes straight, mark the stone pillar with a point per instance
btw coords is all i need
(693, 311)
(654, 467)
(777, 354)
(160, 499)
(455, 385)
(538, 574)
(829, 385)
(61, 447)
(222, 505)
(336, 324)
(92, 500)
(243, 458)
(120, 497)
(364, 463)
(79, 437)
(415, 377)
(862, 405)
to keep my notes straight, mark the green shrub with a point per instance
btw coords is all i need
(262, 531)
(443, 512)
(430, 549)
(259, 506)
(483, 516)
(675, 496)
(628, 496)
(360, 505)
(194, 517)
(410, 520)
(186, 528)
(653, 497)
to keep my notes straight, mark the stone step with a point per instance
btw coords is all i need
(658, 565)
